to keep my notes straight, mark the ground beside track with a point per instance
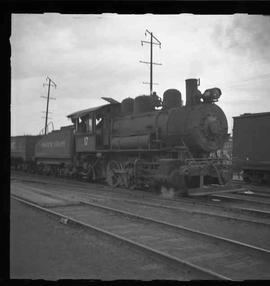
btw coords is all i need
(66, 194)
(43, 248)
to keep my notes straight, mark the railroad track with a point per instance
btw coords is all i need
(242, 229)
(256, 192)
(260, 194)
(208, 203)
(240, 201)
(260, 190)
(155, 203)
(211, 256)
(253, 187)
(245, 198)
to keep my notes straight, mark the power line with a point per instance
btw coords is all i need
(155, 42)
(51, 83)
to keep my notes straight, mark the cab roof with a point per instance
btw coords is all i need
(84, 112)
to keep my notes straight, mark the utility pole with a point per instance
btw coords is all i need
(51, 83)
(156, 42)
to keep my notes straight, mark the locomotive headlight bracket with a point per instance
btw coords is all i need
(211, 95)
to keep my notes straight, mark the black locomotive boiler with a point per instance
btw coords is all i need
(174, 142)
(143, 142)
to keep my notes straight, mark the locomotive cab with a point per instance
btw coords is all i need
(92, 127)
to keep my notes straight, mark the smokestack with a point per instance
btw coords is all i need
(191, 91)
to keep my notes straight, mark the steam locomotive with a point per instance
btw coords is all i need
(144, 142)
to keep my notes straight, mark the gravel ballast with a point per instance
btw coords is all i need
(43, 248)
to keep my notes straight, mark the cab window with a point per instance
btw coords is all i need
(89, 125)
(80, 126)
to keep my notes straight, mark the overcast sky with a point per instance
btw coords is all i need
(90, 56)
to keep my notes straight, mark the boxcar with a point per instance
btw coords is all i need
(251, 146)
(22, 150)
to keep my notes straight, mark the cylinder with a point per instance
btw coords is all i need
(191, 91)
(143, 103)
(127, 106)
(171, 98)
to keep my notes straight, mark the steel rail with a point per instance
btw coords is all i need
(157, 205)
(259, 194)
(139, 245)
(101, 205)
(179, 227)
(182, 200)
(251, 199)
(71, 181)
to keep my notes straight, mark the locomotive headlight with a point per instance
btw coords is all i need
(212, 94)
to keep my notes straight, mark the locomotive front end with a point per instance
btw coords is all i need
(172, 145)
(202, 127)
(200, 123)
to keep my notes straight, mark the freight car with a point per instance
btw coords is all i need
(22, 151)
(251, 146)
